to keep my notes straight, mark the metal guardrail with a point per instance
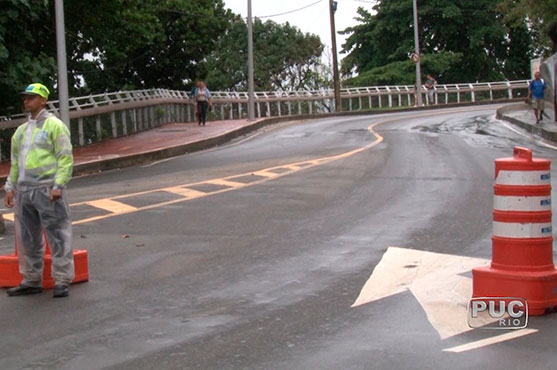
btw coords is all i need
(100, 116)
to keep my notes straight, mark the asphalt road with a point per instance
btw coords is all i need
(255, 261)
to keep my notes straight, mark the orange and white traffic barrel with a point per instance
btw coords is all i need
(522, 241)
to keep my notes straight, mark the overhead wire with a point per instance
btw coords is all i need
(290, 11)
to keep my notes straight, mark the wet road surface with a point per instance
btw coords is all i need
(255, 261)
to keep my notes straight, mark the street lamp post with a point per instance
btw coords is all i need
(418, 63)
(63, 95)
(251, 103)
(336, 82)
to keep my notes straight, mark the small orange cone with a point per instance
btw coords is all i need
(10, 276)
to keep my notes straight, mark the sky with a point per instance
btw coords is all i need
(313, 19)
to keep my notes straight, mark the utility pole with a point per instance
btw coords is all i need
(251, 103)
(63, 96)
(336, 81)
(555, 92)
(418, 63)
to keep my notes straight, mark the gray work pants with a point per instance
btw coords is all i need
(34, 212)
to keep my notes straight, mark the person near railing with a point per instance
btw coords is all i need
(192, 96)
(202, 96)
(42, 163)
(430, 84)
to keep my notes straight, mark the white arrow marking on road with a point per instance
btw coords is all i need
(435, 280)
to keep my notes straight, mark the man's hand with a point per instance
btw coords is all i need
(55, 194)
(9, 199)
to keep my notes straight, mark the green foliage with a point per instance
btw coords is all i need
(111, 44)
(147, 43)
(136, 44)
(285, 58)
(541, 16)
(474, 31)
(23, 58)
(160, 112)
(404, 72)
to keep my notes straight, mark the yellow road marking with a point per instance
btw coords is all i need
(188, 193)
(117, 208)
(489, 341)
(292, 167)
(111, 206)
(264, 173)
(232, 184)
(228, 181)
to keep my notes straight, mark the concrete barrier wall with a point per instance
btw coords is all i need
(549, 74)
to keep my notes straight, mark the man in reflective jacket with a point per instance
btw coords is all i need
(41, 167)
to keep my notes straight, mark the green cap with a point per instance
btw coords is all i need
(37, 89)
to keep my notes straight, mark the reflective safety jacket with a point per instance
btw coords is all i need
(41, 154)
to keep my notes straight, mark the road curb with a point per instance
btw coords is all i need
(502, 114)
(150, 156)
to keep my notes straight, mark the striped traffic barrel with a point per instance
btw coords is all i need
(522, 241)
(522, 233)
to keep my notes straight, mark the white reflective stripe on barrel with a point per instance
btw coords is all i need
(523, 231)
(525, 204)
(522, 178)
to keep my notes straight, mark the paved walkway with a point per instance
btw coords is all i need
(522, 114)
(526, 114)
(162, 142)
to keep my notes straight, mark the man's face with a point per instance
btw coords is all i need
(537, 75)
(33, 103)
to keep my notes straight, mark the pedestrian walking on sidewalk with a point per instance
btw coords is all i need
(430, 84)
(202, 96)
(192, 96)
(536, 94)
(41, 167)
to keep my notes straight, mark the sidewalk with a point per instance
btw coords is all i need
(522, 115)
(159, 143)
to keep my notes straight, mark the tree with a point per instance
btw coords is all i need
(23, 57)
(285, 58)
(541, 16)
(111, 44)
(472, 32)
(404, 72)
(146, 43)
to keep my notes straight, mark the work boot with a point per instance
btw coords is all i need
(24, 290)
(60, 291)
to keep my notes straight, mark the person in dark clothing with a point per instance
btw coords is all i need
(430, 84)
(202, 96)
(536, 92)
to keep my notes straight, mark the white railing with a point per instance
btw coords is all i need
(99, 116)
